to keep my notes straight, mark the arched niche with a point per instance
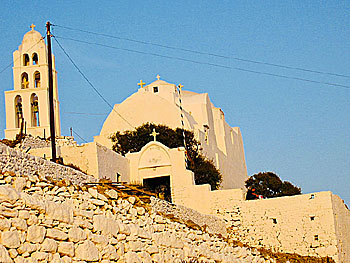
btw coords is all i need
(24, 81)
(34, 102)
(19, 111)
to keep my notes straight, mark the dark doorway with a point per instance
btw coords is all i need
(160, 186)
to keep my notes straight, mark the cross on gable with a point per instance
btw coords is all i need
(180, 87)
(154, 134)
(141, 83)
(32, 26)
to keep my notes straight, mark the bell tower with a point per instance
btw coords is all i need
(28, 102)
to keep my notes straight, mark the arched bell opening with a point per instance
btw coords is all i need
(24, 81)
(37, 79)
(19, 111)
(35, 59)
(25, 60)
(34, 102)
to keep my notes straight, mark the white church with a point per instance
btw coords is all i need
(268, 222)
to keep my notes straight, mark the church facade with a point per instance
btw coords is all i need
(164, 103)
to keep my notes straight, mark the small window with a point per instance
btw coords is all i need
(274, 220)
(35, 59)
(316, 237)
(25, 60)
(312, 218)
(312, 196)
(155, 89)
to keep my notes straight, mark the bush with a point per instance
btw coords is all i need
(269, 185)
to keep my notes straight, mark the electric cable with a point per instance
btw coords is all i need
(89, 82)
(209, 63)
(208, 53)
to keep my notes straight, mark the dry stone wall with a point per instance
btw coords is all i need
(47, 215)
(41, 221)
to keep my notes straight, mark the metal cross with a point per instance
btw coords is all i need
(180, 87)
(158, 77)
(32, 26)
(141, 83)
(154, 134)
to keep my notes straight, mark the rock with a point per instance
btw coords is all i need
(39, 255)
(93, 192)
(49, 245)
(13, 253)
(66, 248)
(10, 239)
(109, 252)
(33, 202)
(113, 194)
(56, 234)
(87, 251)
(132, 257)
(4, 255)
(24, 214)
(19, 223)
(97, 202)
(145, 257)
(132, 200)
(26, 248)
(105, 225)
(99, 239)
(36, 234)
(76, 234)
(66, 259)
(60, 212)
(124, 229)
(140, 211)
(9, 194)
(5, 224)
(19, 183)
(32, 220)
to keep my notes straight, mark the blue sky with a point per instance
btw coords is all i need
(298, 129)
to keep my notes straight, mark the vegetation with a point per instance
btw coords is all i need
(268, 185)
(204, 169)
(13, 143)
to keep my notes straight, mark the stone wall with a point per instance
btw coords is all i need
(25, 164)
(316, 224)
(41, 221)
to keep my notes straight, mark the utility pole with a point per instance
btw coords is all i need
(52, 116)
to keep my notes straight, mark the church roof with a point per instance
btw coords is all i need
(31, 36)
(159, 82)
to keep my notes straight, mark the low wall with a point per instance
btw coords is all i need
(92, 158)
(316, 224)
(22, 163)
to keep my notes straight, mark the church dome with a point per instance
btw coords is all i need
(32, 36)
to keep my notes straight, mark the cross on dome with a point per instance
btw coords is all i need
(154, 134)
(141, 83)
(32, 26)
(158, 77)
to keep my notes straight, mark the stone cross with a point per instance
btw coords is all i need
(154, 134)
(158, 77)
(32, 26)
(141, 83)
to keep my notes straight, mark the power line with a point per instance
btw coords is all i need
(91, 85)
(79, 136)
(209, 53)
(208, 63)
(85, 113)
(9, 65)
